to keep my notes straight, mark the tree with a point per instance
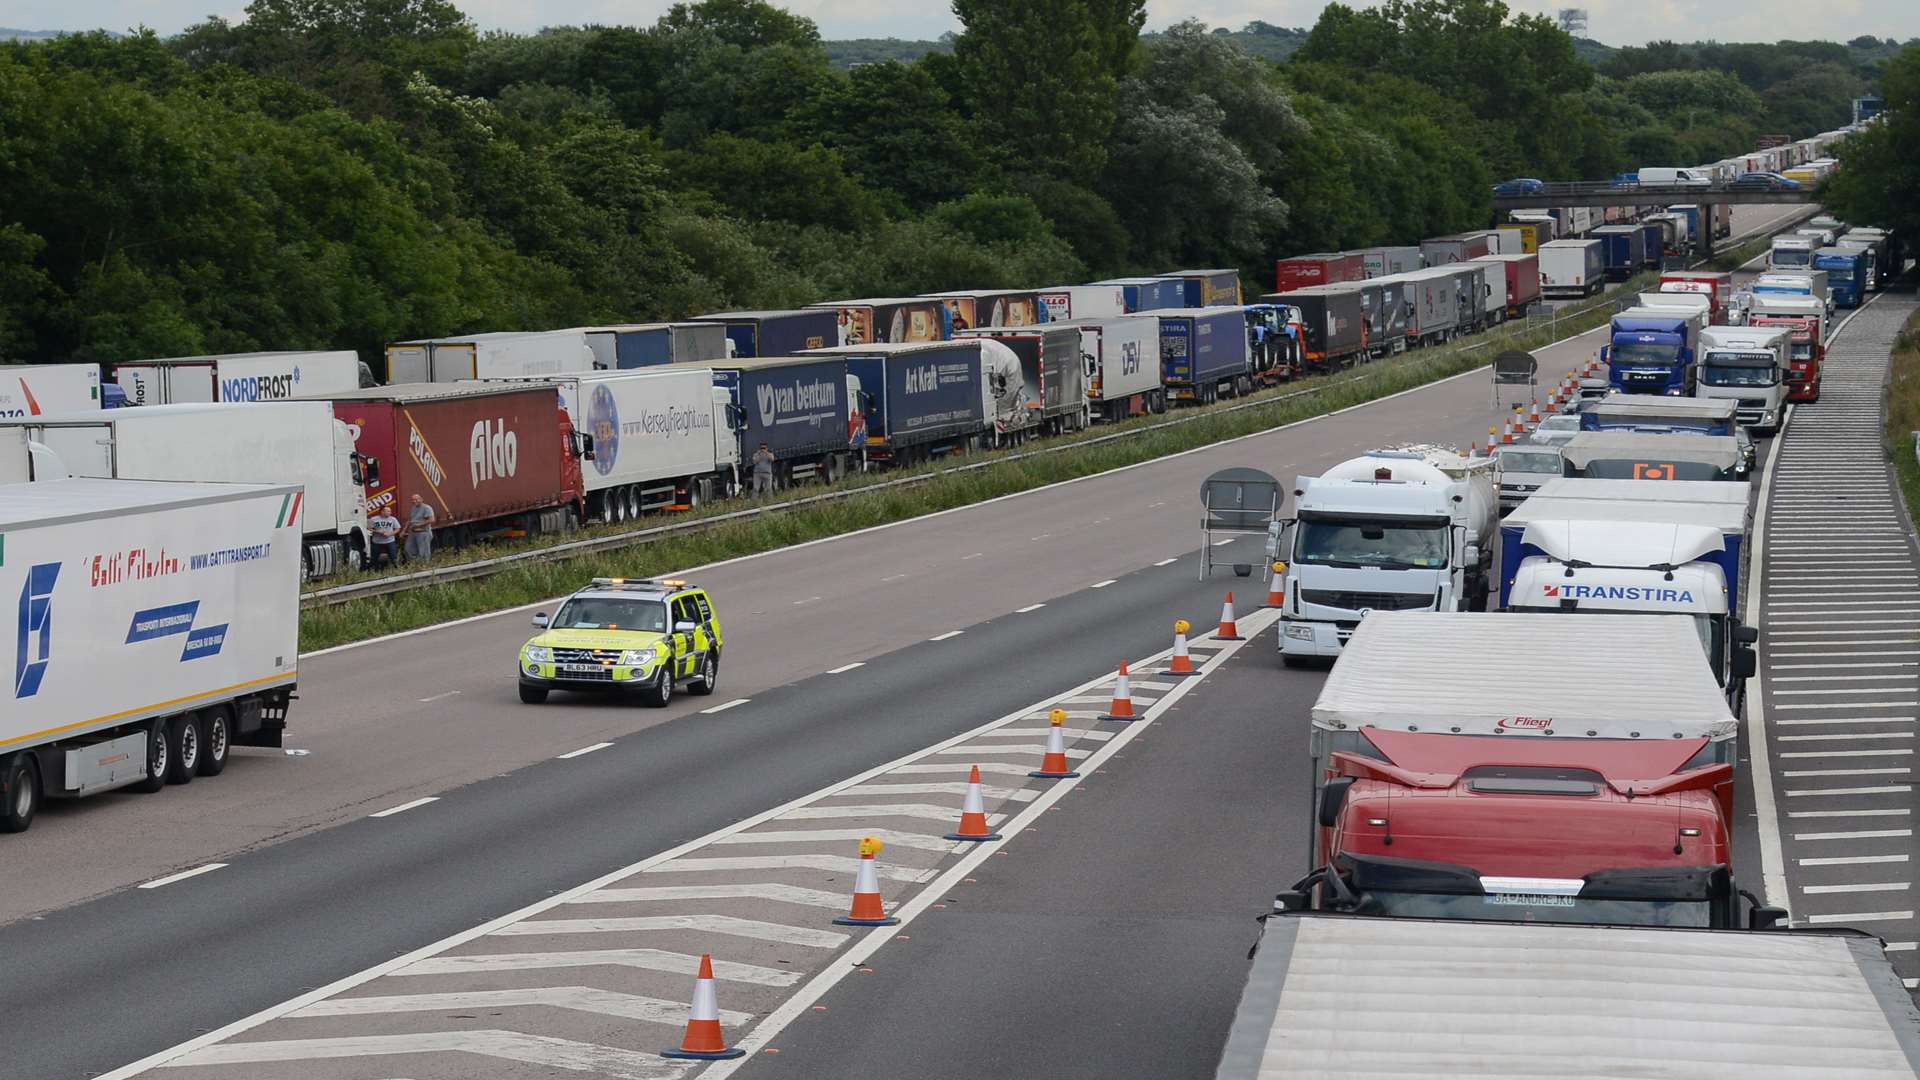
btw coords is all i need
(1878, 182)
(896, 129)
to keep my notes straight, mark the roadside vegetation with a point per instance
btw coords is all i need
(1903, 413)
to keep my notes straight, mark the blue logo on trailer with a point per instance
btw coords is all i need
(35, 647)
(176, 619)
(603, 423)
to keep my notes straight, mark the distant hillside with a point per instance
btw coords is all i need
(853, 51)
(1593, 52)
(7, 33)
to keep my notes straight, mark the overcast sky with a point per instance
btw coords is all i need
(1616, 22)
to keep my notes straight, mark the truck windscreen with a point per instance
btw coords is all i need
(1790, 257)
(1740, 369)
(1355, 543)
(1838, 273)
(1645, 352)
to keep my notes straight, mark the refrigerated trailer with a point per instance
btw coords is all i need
(922, 399)
(1572, 268)
(1149, 294)
(486, 356)
(807, 409)
(45, 389)
(274, 442)
(649, 344)
(1122, 357)
(776, 333)
(259, 376)
(1065, 302)
(158, 628)
(1053, 379)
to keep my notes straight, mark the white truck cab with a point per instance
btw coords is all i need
(1748, 364)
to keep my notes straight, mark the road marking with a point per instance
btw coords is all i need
(574, 998)
(1861, 916)
(1029, 607)
(1848, 753)
(759, 890)
(723, 707)
(808, 600)
(1865, 834)
(926, 811)
(840, 864)
(1853, 860)
(1015, 748)
(917, 841)
(844, 668)
(1224, 543)
(585, 750)
(439, 697)
(1806, 721)
(1102, 584)
(712, 924)
(1887, 789)
(958, 787)
(1900, 811)
(404, 807)
(1168, 562)
(893, 577)
(975, 555)
(1036, 539)
(1849, 772)
(1858, 886)
(944, 769)
(946, 636)
(183, 875)
(1071, 733)
(538, 1050)
(646, 959)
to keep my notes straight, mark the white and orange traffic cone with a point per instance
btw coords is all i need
(973, 813)
(1533, 415)
(1054, 765)
(1506, 432)
(1492, 433)
(1228, 631)
(1122, 707)
(1277, 586)
(867, 908)
(1182, 663)
(1553, 402)
(703, 1041)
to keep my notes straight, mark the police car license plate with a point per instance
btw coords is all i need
(581, 669)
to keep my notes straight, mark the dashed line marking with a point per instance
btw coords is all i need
(1102, 584)
(585, 750)
(439, 697)
(406, 806)
(844, 668)
(183, 875)
(1029, 607)
(724, 706)
(1168, 562)
(947, 636)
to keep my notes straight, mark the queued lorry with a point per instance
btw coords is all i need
(639, 345)
(1805, 320)
(1652, 349)
(1574, 268)
(1323, 268)
(1142, 294)
(1715, 285)
(1122, 357)
(1882, 258)
(1064, 303)
(914, 318)
(807, 409)
(654, 438)
(158, 628)
(927, 399)
(1053, 379)
(1522, 272)
(1633, 454)
(1748, 364)
(1382, 261)
(753, 334)
(1398, 529)
(971, 308)
(1204, 353)
(43, 389)
(272, 442)
(1791, 252)
(255, 376)
(1846, 270)
(1207, 288)
(1335, 995)
(1809, 283)
(504, 355)
(1334, 324)
(1660, 414)
(1625, 247)
(1458, 247)
(23, 461)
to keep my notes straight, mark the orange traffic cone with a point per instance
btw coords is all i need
(1228, 631)
(1277, 586)
(973, 813)
(867, 909)
(1553, 402)
(1182, 664)
(1491, 434)
(1054, 765)
(1533, 415)
(1506, 432)
(704, 1041)
(1122, 707)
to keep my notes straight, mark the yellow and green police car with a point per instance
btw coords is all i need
(620, 634)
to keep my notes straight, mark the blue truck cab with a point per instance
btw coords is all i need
(1846, 273)
(1652, 353)
(1662, 415)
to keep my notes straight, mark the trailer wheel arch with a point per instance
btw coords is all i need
(20, 784)
(157, 757)
(216, 739)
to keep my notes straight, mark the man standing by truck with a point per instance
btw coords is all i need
(386, 537)
(763, 471)
(419, 531)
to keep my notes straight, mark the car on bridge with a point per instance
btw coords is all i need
(1519, 186)
(618, 634)
(1763, 181)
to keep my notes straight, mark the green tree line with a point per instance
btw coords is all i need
(344, 173)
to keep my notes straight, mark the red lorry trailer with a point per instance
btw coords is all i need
(1716, 284)
(1466, 767)
(1804, 317)
(1523, 281)
(1321, 268)
(491, 459)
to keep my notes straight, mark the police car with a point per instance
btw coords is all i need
(619, 634)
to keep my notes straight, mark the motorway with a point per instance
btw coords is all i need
(843, 656)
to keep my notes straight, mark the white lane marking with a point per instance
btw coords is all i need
(1858, 886)
(1826, 721)
(1848, 753)
(844, 668)
(404, 807)
(1852, 860)
(538, 1050)
(1224, 543)
(574, 998)
(1849, 772)
(947, 636)
(893, 577)
(1871, 664)
(1902, 946)
(808, 600)
(963, 558)
(1148, 684)
(438, 697)
(1900, 811)
(1864, 834)
(917, 841)
(957, 787)
(1036, 539)
(926, 811)
(1013, 748)
(1885, 789)
(183, 875)
(712, 924)
(758, 890)
(1168, 562)
(1102, 584)
(1849, 653)
(1029, 607)
(585, 750)
(645, 959)
(1902, 704)
(838, 864)
(724, 706)
(942, 768)
(1087, 734)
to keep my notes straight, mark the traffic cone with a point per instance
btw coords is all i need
(704, 1041)
(867, 909)
(973, 811)
(1506, 432)
(1122, 707)
(1277, 586)
(1228, 631)
(1490, 436)
(1533, 415)
(1182, 664)
(1553, 402)
(1054, 765)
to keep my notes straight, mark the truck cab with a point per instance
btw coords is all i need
(1639, 412)
(1406, 529)
(1790, 253)
(1651, 348)
(1805, 319)
(1846, 273)
(1749, 365)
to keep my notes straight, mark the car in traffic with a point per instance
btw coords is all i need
(1520, 186)
(616, 634)
(1520, 469)
(1556, 430)
(1764, 181)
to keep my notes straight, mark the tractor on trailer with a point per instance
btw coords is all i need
(157, 628)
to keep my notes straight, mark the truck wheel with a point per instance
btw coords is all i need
(216, 740)
(709, 676)
(158, 757)
(183, 749)
(660, 694)
(22, 783)
(532, 695)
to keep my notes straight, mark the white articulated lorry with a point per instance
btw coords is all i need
(1407, 529)
(502, 355)
(22, 460)
(277, 442)
(663, 438)
(157, 627)
(39, 389)
(259, 376)
(1748, 364)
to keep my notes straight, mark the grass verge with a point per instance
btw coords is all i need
(535, 580)
(1903, 413)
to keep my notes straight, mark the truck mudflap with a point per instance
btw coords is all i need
(261, 720)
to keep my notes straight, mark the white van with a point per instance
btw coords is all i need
(1670, 177)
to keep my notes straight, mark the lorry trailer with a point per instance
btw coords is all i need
(1790, 252)
(1643, 455)
(505, 355)
(1204, 353)
(1660, 414)
(1208, 288)
(158, 628)
(808, 410)
(1625, 247)
(1381, 261)
(1715, 285)
(1150, 294)
(776, 333)
(922, 399)
(1070, 302)
(1122, 356)
(970, 308)
(863, 322)
(255, 376)
(1323, 268)
(1053, 377)
(1805, 320)
(1334, 324)
(640, 345)
(1523, 282)
(44, 389)
(1846, 269)
(1572, 268)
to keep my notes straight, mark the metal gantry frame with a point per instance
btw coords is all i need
(1237, 501)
